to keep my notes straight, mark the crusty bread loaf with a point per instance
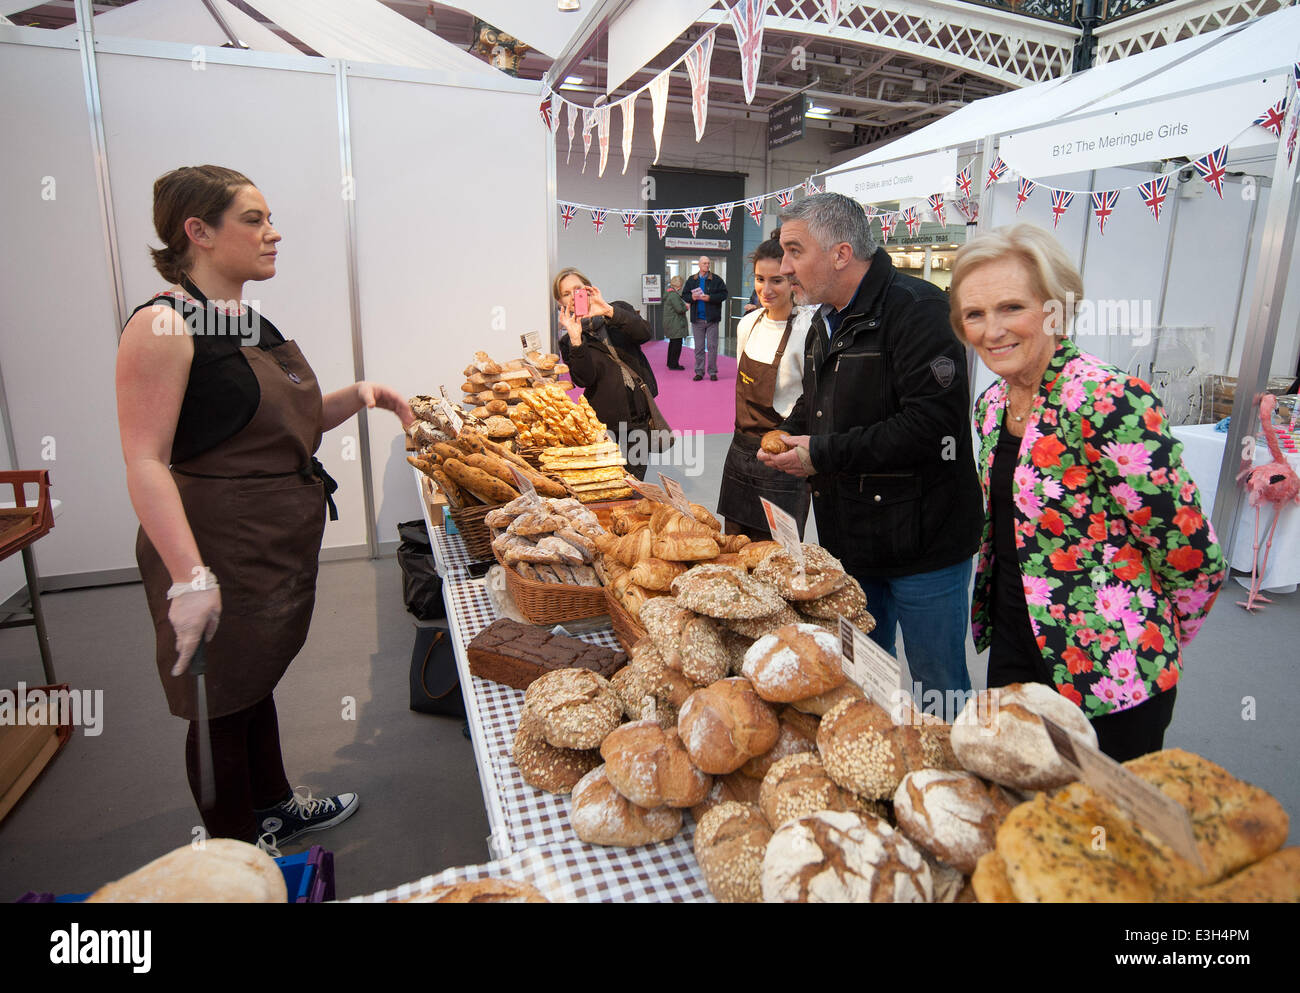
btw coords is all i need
(848, 600)
(649, 766)
(725, 725)
(483, 485)
(843, 857)
(824, 703)
(724, 592)
(481, 891)
(798, 734)
(793, 663)
(953, 815)
(989, 880)
(866, 752)
(544, 766)
(797, 786)
(222, 870)
(998, 736)
(822, 573)
(732, 787)
(577, 708)
(602, 816)
(730, 840)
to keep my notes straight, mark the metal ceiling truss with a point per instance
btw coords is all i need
(1165, 23)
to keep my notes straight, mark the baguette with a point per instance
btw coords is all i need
(483, 485)
(491, 464)
(455, 497)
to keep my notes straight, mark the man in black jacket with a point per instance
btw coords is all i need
(883, 433)
(704, 294)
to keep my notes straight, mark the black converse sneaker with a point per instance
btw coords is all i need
(303, 813)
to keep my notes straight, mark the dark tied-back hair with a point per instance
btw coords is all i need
(204, 192)
(770, 249)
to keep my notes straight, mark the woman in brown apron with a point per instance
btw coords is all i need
(769, 380)
(220, 417)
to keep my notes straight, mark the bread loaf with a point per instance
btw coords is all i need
(483, 485)
(481, 891)
(824, 703)
(221, 871)
(794, 663)
(848, 601)
(543, 766)
(798, 734)
(729, 844)
(725, 725)
(797, 786)
(577, 708)
(649, 766)
(724, 592)
(731, 787)
(822, 573)
(866, 752)
(754, 628)
(600, 815)
(953, 815)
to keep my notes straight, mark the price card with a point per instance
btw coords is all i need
(868, 666)
(648, 490)
(676, 495)
(1154, 810)
(449, 412)
(535, 374)
(785, 529)
(531, 341)
(525, 486)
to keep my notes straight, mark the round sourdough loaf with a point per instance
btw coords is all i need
(953, 815)
(649, 766)
(577, 707)
(756, 627)
(848, 600)
(843, 857)
(798, 734)
(733, 786)
(866, 752)
(725, 592)
(544, 766)
(822, 573)
(729, 844)
(725, 725)
(797, 786)
(222, 871)
(602, 816)
(794, 663)
(998, 736)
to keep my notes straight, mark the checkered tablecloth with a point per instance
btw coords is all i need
(525, 819)
(449, 554)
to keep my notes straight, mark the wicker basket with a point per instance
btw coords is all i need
(552, 603)
(473, 531)
(626, 629)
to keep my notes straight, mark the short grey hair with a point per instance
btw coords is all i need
(833, 218)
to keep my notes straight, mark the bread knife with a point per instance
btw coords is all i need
(207, 784)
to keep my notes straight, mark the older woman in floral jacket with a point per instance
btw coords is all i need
(1097, 563)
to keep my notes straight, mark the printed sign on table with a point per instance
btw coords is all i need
(785, 529)
(525, 486)
(648, 490)
(676, 495)
(868, 666)
(531, 341)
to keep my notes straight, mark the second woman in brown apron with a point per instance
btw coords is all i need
(767, 387)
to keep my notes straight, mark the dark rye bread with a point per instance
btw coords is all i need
(516, 654)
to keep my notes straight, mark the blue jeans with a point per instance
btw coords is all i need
(934, 611)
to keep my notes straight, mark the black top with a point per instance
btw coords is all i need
(222, 394)
(592, 365)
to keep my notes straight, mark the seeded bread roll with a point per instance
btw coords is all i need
(730, 840)
(823, 703)
(843, 857)
(649, 766)
(755, 627)
(797, 786)
(602, 816)
(794, 663)
(731, 787)
(998, 736)
(823, 573)
(544, 766)
(866, 752)
(725, 725)
(798, 734)
(848, 600)
(755, 552)
(724, 592)
(953, 815)
(577, 708)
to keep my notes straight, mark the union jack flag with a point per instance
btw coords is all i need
(1022, 193)
(1291, 138)
(969, 209)
(911, 220)
(661, 219)
(1103, 205)
(573, 120)
(697, 67)
(1271, 119)
(963, 182)
(887, 222)
(996, 171)
(598, 217)
(1061, 200)
(755, 207)
(588, 122)
(747, 19)
(629, 220)
(812, 188)
(546, 113)
(567, 213)
(785, 197)
(723, 212)
(1213, 168)
(936, 204)
(1153, 195)
(693, 219)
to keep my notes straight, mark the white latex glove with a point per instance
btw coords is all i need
(194, 615)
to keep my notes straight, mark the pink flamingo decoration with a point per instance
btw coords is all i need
(1273, 482)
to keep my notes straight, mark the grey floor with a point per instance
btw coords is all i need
(108, 804)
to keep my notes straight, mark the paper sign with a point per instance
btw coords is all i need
(525, 485)
(1153, 810)
(531, 341)
(785, 529)
(538, 377)
(648, 490)
(868, 666)
(449, 412)
(915, 176)
(676, 494)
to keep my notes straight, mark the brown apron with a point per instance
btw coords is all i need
(744, 478)
(258, 515)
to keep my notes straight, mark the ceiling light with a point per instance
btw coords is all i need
(568, 6)
(817, 111)
(571, 82)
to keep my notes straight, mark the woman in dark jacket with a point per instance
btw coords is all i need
(603, 352)
(675, 323)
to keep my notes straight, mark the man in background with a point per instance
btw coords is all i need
(704, 293)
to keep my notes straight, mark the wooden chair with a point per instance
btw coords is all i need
(20, 527)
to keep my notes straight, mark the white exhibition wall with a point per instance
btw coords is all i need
(435, 204)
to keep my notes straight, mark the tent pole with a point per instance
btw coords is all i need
(1266, 300)
(552, 234)
(1241, 288)
(983, 223)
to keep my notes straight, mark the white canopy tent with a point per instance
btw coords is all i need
(1204, 91)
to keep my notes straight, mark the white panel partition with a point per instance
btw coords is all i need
(278, 126)
(56, 307)
(452, 219)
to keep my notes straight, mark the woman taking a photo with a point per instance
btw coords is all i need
(1097, 564)
(769, 380)
(603, 351)
(220, 416)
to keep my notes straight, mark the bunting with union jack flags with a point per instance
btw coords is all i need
(911, 220)
(661, 219)
(936, 206)
(1153, 195)
(747, 20)
(1213, 168)
(697, 67)
(1103, 205)
(573, 120)
(963, 182)
(567, 213)
(1271, 120)
(723, 212)
(785, 197)
(546, 113)
(598, 215)
(811, 188)
(887, 222)
(693, 218)
(968, 208)
(1025, 188)
(629, 220)
(1061, 200)
(996, 171)
(755, 207)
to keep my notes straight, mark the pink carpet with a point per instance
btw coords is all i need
(690, 406)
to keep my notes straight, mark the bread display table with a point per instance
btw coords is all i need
(530, 830)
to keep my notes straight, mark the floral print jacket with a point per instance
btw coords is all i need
(1119, 562)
